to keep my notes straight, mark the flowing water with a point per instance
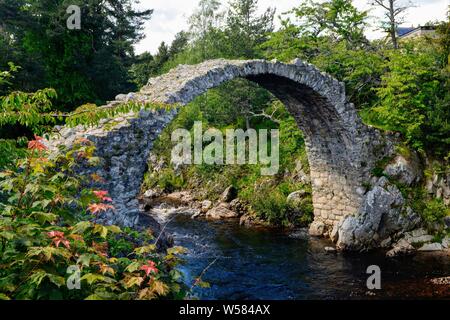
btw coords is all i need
(267, 264)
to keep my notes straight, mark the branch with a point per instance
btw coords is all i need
(265, 115)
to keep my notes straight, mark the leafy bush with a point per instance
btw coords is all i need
(435, 210)
(48, 229)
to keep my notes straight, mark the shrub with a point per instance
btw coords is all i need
(435, 210)
(44, 236)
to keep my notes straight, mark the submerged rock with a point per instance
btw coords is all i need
(301, 234)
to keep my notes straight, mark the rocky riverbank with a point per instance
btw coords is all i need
(228, 206)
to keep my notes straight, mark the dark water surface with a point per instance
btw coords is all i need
(263, 264)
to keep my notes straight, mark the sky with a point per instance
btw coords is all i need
(170, 17)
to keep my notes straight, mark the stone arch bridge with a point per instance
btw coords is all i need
(341, 149)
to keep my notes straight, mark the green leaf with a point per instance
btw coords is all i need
(7, 235)
(146, 249)
(93, 277)
(37, 277)
(81, 227)
(4, 297)
(101, 230)
(44, 217)
(114, 229)
(132, 267)
(57, 280)
(85, 260)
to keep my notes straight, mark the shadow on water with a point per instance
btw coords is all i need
(263, 264)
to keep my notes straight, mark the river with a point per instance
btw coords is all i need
(266, 264)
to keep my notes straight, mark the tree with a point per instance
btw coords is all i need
(90, 64)
(245, 30)
(394, 13)
(335, 18)
(179, 43)
(314, 23)
(142, 69)
(204, 28)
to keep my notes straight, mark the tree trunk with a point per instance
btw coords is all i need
(393, 26)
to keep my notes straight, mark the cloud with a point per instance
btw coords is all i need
(170, 17)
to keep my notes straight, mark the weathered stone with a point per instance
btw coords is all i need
(181, 197)
(238, 206)
(330, 249)
(296, 197)
(317, 229)
(418, 236)
(406, 171)
(446, 242)
(221, 211)
(386, 243)
(447, 222)
(380, 217)
(300, 175)
(152, 193)
(401, 248)
(334, 235)
(229, 194)
(206, 205)
(250, 220)
(431, 247)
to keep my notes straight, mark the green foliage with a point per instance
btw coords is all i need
(32, 110)
(270, 205)
(411, 98)
(435, 210)
(44, 231)
(86, 65)
(166, 180)
(245, 30)
(269, 202)
(10, 151)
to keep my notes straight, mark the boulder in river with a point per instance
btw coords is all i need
(317, 229)
(431, 247)
(229, 194)
(221, 211)
(206, 205)
(401, 248)
(382, 215)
